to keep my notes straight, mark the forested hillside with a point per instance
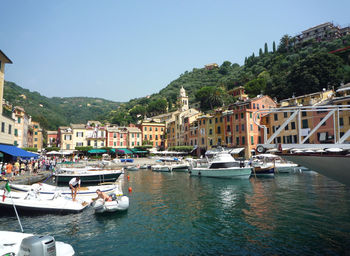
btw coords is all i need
(280, 72)
(53, 112)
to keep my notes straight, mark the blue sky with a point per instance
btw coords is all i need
(119, 50)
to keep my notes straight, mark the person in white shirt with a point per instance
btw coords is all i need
(74, 185)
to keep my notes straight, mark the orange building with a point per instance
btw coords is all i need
(241, 131)
(153, 131)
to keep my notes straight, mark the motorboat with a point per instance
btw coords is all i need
(87, 176)
(133, 168)
(118, 203)
(33, 202)
(223, 165)
(50, 190)
(16, 243)
(281, 166)
(264, 170)
(161, 168)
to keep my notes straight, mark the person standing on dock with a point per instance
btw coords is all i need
(74, 185)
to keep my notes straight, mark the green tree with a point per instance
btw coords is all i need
(315, 72)
(273, 46)
(266, 50)
(260, 52)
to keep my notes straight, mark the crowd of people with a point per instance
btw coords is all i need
(11, 169)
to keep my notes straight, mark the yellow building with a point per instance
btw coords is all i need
(308, 99)
(79, 133)
(37, 135)
(7, 123)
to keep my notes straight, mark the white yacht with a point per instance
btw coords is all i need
(223, 165)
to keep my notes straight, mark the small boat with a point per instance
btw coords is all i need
(268, 171)
(223, 165)
(16, 243)
(180, 167)
(46, 189)
(119, 203)
(87, 176)
(281, 166)
(161, 168)
(145, 166)
(133, 168)
(31, 202)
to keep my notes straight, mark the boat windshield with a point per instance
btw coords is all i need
(224, 165)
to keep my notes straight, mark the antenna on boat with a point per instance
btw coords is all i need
(7, 188)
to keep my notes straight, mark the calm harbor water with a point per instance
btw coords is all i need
(174, 214)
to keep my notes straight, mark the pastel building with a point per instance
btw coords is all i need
(153, 131)
(244, 132)
(6, 122)
(117, 137)
(52, 138)
(134, 136)
(22, 120)
(37, 135)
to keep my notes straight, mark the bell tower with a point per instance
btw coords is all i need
(183, 100)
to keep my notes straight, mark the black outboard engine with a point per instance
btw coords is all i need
(38, 246)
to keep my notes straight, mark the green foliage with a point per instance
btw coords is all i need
(315, 72)
(147, 143)
(273, 47)
(266, 49)
(181, 148)
(48, 149)
(31, 149)
(210, 97)
(54, 112)
(256, 86)
(84, 149)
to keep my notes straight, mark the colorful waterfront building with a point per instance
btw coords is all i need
(52, 138)
(117, 137)
(22, 121)
(153, 132)
(134, 136)
(203, 133)
(245, 133)
(37, 135)
(170, 135)
(65, 138)
(7, 123)
(79, 133)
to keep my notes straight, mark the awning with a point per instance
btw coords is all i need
(125, 150)
(137, 151)
(18, 152)
(97, 151)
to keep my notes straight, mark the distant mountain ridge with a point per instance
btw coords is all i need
(57, 111)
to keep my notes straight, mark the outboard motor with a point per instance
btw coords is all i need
(38, 246)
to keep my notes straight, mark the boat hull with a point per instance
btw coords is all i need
(332, 166)
(232, 173)
(98, 178)
(264, 172)
(121, 204)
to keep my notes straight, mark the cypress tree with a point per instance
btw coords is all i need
(266, 50)
(260, 52)
(274, 46)
(245, 61)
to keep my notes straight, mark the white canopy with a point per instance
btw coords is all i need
(53, 153)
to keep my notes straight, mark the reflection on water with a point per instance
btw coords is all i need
(174, 214)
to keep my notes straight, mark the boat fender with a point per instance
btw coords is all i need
(189, 172)
(199, 173)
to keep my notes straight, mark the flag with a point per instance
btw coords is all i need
(6, 189)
